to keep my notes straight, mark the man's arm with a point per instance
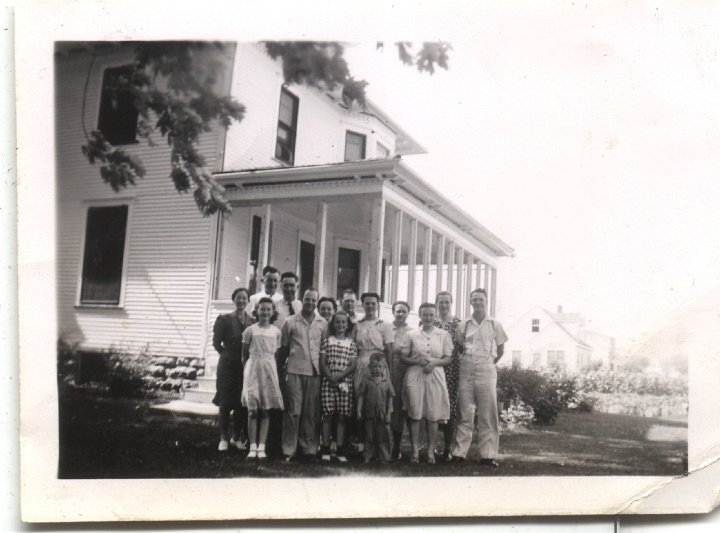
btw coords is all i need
(500, 352)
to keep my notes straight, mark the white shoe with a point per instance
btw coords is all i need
(223, 446)
(253, 454)
(261, 454)
(326, 457)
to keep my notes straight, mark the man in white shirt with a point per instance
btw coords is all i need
(349, 298)
(289, 305)
(271, 281)
(483, 340)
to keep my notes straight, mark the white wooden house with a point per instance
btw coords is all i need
(315, 187)
(540, 339)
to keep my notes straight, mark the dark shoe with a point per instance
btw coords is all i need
(455, 460)
(489, 462)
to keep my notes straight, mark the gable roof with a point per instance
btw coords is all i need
(553, 320)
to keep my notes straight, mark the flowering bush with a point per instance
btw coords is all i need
(516, 417)
(627, 381)
(545, 394)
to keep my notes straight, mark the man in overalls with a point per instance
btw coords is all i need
(483, 340)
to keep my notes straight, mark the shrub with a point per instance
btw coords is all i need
(516, 417)
(67, 360)
(125, 373)
(545, 394)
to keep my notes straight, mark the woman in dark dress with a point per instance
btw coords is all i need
(449, 323)
(227, 340)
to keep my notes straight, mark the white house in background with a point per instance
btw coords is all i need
(315, 187)
(543, 340)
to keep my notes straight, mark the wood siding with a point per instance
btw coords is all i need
(170, 245)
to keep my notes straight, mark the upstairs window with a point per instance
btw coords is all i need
(287, 127)
(535, 326)
(118, 116)
(354, 146)
(382, 151)
(104, 255)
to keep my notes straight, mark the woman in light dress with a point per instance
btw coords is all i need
(425, 394)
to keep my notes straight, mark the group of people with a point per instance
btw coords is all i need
(302, 377)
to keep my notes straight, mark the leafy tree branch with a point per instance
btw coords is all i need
(173, 89)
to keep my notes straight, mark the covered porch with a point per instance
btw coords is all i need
(368, 225)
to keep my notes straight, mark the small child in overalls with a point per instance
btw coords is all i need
(375, 405)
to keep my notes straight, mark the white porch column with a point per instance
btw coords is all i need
(459, 307)
(265, 252)
(493, 290)
(375, 250)
(439, 263)
(427, 253)
(465, 301)
(412, 262)
(396, 255)
(451, 267)
(487, 280)
(320, 245)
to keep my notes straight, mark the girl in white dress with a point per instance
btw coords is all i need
(262, 388)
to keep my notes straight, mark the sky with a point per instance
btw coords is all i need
(587, 138)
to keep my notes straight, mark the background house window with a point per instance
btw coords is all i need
(516, 358)
(537, 360)
(118, 116)
(354, 146)
(287, 127)
(535, 325)
(381, 151)
(104, 255)
(551, 360)
(560, 358)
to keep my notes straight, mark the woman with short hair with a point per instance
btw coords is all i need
(425, 395)
(227, 341)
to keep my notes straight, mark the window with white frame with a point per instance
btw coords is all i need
(551, 360)
(118, 116)
(287, 127)
(354, 146)
(516, 358)
(537, 360)
(104, 254)
(560, 357)
(535, 325)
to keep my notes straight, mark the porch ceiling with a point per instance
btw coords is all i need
(353, 178)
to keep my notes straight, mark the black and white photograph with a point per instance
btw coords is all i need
(362, 259)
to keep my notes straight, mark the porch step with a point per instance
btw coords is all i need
(199, 396)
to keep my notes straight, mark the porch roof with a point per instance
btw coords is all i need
(394, 171)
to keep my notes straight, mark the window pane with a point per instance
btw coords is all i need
(103, 256)
(382, 152)
(287, 127)
(286, 109)
(354, 146)
(118, 116)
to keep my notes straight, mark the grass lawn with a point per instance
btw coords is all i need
(121, 438)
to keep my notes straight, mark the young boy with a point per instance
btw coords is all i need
(375, 406)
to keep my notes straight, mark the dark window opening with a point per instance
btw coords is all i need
(535, 326)
(287, 127)
(103, 255)
(118, 115)
(255, 251)
(348, 273)
(307, 266)
(354, 146)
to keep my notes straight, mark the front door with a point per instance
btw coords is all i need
(348, 272)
